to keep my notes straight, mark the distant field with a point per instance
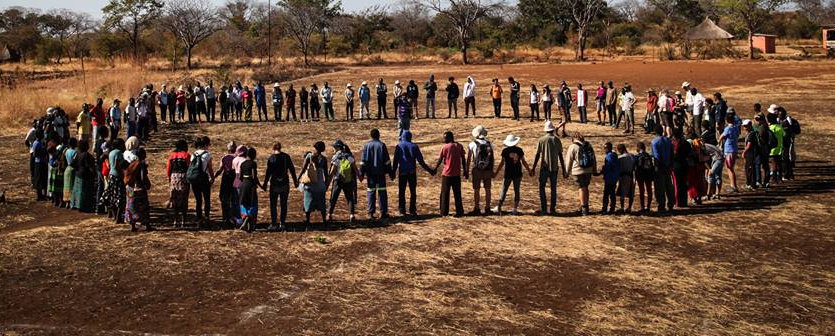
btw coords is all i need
(756, 263)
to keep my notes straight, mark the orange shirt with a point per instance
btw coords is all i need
(496, 92)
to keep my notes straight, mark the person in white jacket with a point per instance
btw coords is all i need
(698, 106)
(469, 96)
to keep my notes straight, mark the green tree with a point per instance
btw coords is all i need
(19, 31)
(751, 14)
(130, 17)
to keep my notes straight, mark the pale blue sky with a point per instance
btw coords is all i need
(93, 7)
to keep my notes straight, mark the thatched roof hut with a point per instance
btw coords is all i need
(708, 30)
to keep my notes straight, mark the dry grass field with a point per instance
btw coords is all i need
(757, 263)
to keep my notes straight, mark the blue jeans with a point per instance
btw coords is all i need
(377, 186)
(609, 196)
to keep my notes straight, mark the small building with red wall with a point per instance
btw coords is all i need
(765, 43)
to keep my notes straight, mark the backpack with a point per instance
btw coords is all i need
(484, 156)
(795, 127)
(646, 166)
(195, 174)
(345, 170)
(586, 156)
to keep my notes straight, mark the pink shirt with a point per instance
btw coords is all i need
(453, 156)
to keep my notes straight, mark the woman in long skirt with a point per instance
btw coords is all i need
(114, 195)
(176, 169)
(39, 172)
(314, 183)
(57, 165)
(249, 192)
(84, 187)
(69, 172)
(137, 184)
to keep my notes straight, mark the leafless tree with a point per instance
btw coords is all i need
(583, 12)
(301, 19)
(191, 21)
(463, 14)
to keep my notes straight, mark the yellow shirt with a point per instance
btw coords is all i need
(84, 126)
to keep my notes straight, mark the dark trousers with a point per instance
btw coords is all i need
(303, 113)
(163, 110)
(278, 199)
(314, 111)
(349, 111)
(377, 187)
(583, 115)
(202, 198)
(497, 107)
(172, 108)
(291, 110)
(452, 107)
(210, 110)
(381, 108)
(329, 111)
(469, 102)
(192, 113)
(681, 187)
(201, 110)
(453, 183)
(514, 105)
(609, 196)
(262, 109)
(534, 112)
(664, 192)
(410, 181)
(547, 108)
(751, 171)
(349, 189)
(612, 117)
(277, 111)
(546, 176)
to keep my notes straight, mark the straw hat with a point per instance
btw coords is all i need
(511, 140)
(685, 84)
(549, 126)
(397, 82)
(479, 132)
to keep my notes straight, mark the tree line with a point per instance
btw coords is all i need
(313, 29)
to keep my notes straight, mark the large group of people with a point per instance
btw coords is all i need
(696, 139)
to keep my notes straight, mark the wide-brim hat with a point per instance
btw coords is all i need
(349, 85)
(549, 126)
(364, 83)
(685, 84)
(479, 132)
(397, 82)
(773, 108)
(511, 140)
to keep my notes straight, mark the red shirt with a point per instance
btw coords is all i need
(453, 156)
(181, 98)
(98, 116)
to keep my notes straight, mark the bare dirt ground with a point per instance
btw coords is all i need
(757, 263)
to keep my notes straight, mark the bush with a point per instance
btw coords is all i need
(667, 53)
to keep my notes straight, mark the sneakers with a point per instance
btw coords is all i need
(514, 212)
(497, 211)
(475, 212)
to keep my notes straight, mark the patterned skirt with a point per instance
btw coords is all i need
(179, 188)
(114, 195)
(137, 208)
(84, 194)
(69, 179)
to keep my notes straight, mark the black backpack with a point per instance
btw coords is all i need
(195, 174)
(795, 127)
(645, 166)
(586, 157)
(484, 156)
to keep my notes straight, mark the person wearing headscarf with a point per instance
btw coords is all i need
(69, 172)
(137, 184)
(84, 187)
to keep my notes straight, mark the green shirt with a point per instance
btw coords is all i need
(778, 131)
(549, 150)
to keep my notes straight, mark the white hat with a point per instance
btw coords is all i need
(746, 122)
(397, 82)
(276, 84)
(678, 93)
(685, 84)
(511, 140)
(479, 132)
(549, 126)
(364, 83)
(349, 85)
(180, 88)
(773, 108)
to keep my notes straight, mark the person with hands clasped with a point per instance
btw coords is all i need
(452, 156)
(513, 158)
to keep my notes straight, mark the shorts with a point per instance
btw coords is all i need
(667, 119)
(582, 181)
(730, 160)
(482, 178)
(715, 176)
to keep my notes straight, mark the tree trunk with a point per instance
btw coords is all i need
(463, 38)
(750, 43)
(578, 54)
(188, 56)
(135, 43)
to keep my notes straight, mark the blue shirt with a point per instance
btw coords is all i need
(260, 95)
(406, 155)
(39, 151)
(365, 93)
(731, 134)
(115, 158)
(611, 168)
(375, 158)
(662, 150)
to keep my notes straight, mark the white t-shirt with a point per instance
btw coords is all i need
(469, 89)
(581, 98)
(662, 103)
(534, 97)
(627, 101)
(473, 147)
(698, 104)
(206, 156)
